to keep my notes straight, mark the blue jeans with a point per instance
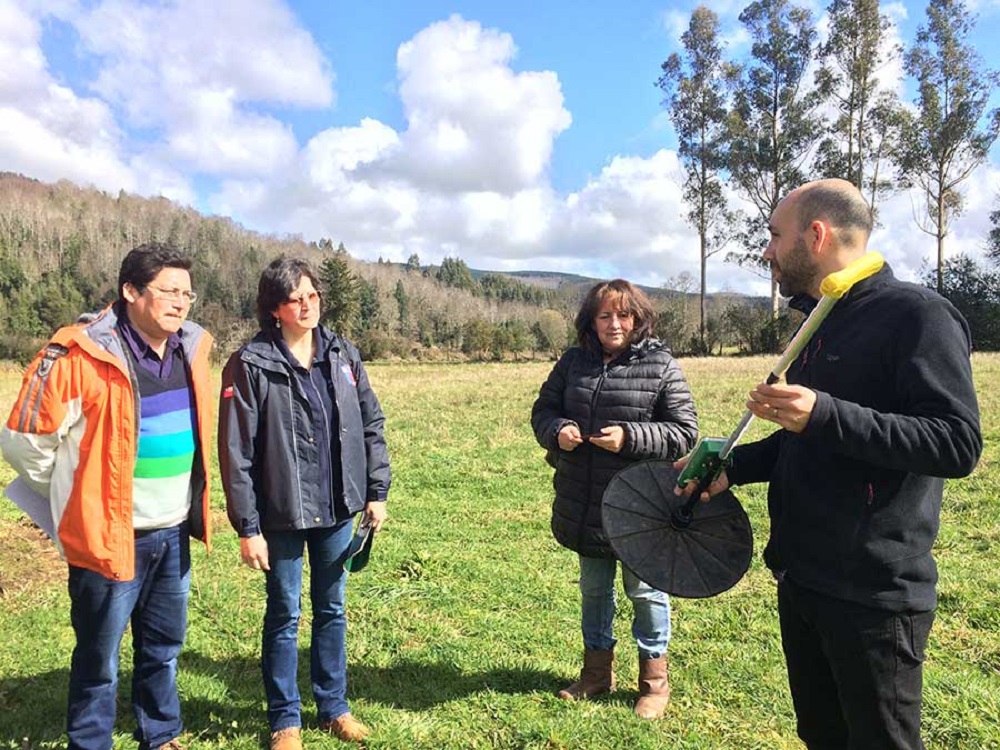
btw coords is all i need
(328, 651)
(155, 602)
(651, 622)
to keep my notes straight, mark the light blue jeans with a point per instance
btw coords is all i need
(651, 623)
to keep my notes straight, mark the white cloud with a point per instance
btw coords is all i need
(633, 203)
(469, 168)
(735, 39)
(333, 154)
(155, 177)
(184, 74)
(46, 130)
(190, 69)
(253, 48)
(473, 123)
(220, 139)
(675, 23)
(909, 250)
(22, 65)
(983, 6)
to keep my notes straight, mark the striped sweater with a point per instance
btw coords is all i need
(161, 490)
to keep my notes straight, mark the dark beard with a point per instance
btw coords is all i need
(798, 272)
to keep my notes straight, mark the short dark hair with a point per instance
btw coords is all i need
(144, 262)
(844, 207)
(628, 298)
(281, 277)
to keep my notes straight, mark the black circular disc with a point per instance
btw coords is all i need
(705, 558)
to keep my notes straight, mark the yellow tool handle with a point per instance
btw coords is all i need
(837, 284)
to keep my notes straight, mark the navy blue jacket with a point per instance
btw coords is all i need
(855, 498)
(267, 438)
(644, 391)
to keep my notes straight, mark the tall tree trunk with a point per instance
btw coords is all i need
(940, 242)
(703, 302)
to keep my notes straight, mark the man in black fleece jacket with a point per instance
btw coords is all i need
(877, 410)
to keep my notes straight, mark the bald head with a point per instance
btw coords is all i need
(840, 204)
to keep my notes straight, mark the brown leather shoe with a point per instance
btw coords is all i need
(654, 688)
(289, 738)
(346, 728)
(596, 677)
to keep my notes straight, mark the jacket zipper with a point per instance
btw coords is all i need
(329, 434)
(133, 382)
(590, 457)
(295, 445)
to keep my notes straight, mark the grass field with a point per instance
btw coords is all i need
(467, 619)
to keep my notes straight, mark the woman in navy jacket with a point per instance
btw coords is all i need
(301, 452)
(617, 398)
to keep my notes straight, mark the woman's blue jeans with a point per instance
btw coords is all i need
(651, 621)
(328, 652)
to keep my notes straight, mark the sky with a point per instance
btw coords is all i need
(513, 134)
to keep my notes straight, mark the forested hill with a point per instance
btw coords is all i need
(61, 245)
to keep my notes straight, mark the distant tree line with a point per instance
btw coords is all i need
(61, 245)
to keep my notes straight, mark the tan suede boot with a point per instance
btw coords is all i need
(654, 688)
(596, 677)
(346, 728)
(289, 738)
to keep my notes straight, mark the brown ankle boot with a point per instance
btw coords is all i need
(289, 738)
(596, 677)
(345, 727)
(654, 688)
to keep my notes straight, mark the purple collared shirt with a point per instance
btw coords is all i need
(142, 352)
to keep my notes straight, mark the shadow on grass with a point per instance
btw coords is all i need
(405, 684)
(35, 706)
(418, 685)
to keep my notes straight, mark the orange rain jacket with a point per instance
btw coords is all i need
(72, 436)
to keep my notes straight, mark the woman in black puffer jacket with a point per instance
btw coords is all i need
(617, 398)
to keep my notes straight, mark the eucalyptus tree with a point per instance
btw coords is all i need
(993, 240)
(773, 126)
(696, 87)
(952, 131)
(853, 62)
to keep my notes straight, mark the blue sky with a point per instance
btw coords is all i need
(515, 135)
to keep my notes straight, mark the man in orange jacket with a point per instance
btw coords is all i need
(112, 428)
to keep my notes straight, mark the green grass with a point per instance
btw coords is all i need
(466, 621)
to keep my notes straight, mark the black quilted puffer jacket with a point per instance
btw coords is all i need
(645, 392)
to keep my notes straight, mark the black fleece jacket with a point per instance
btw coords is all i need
(644, 391)
(855, 499)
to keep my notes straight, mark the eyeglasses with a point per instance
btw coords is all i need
(312, 298)
(174, 295)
